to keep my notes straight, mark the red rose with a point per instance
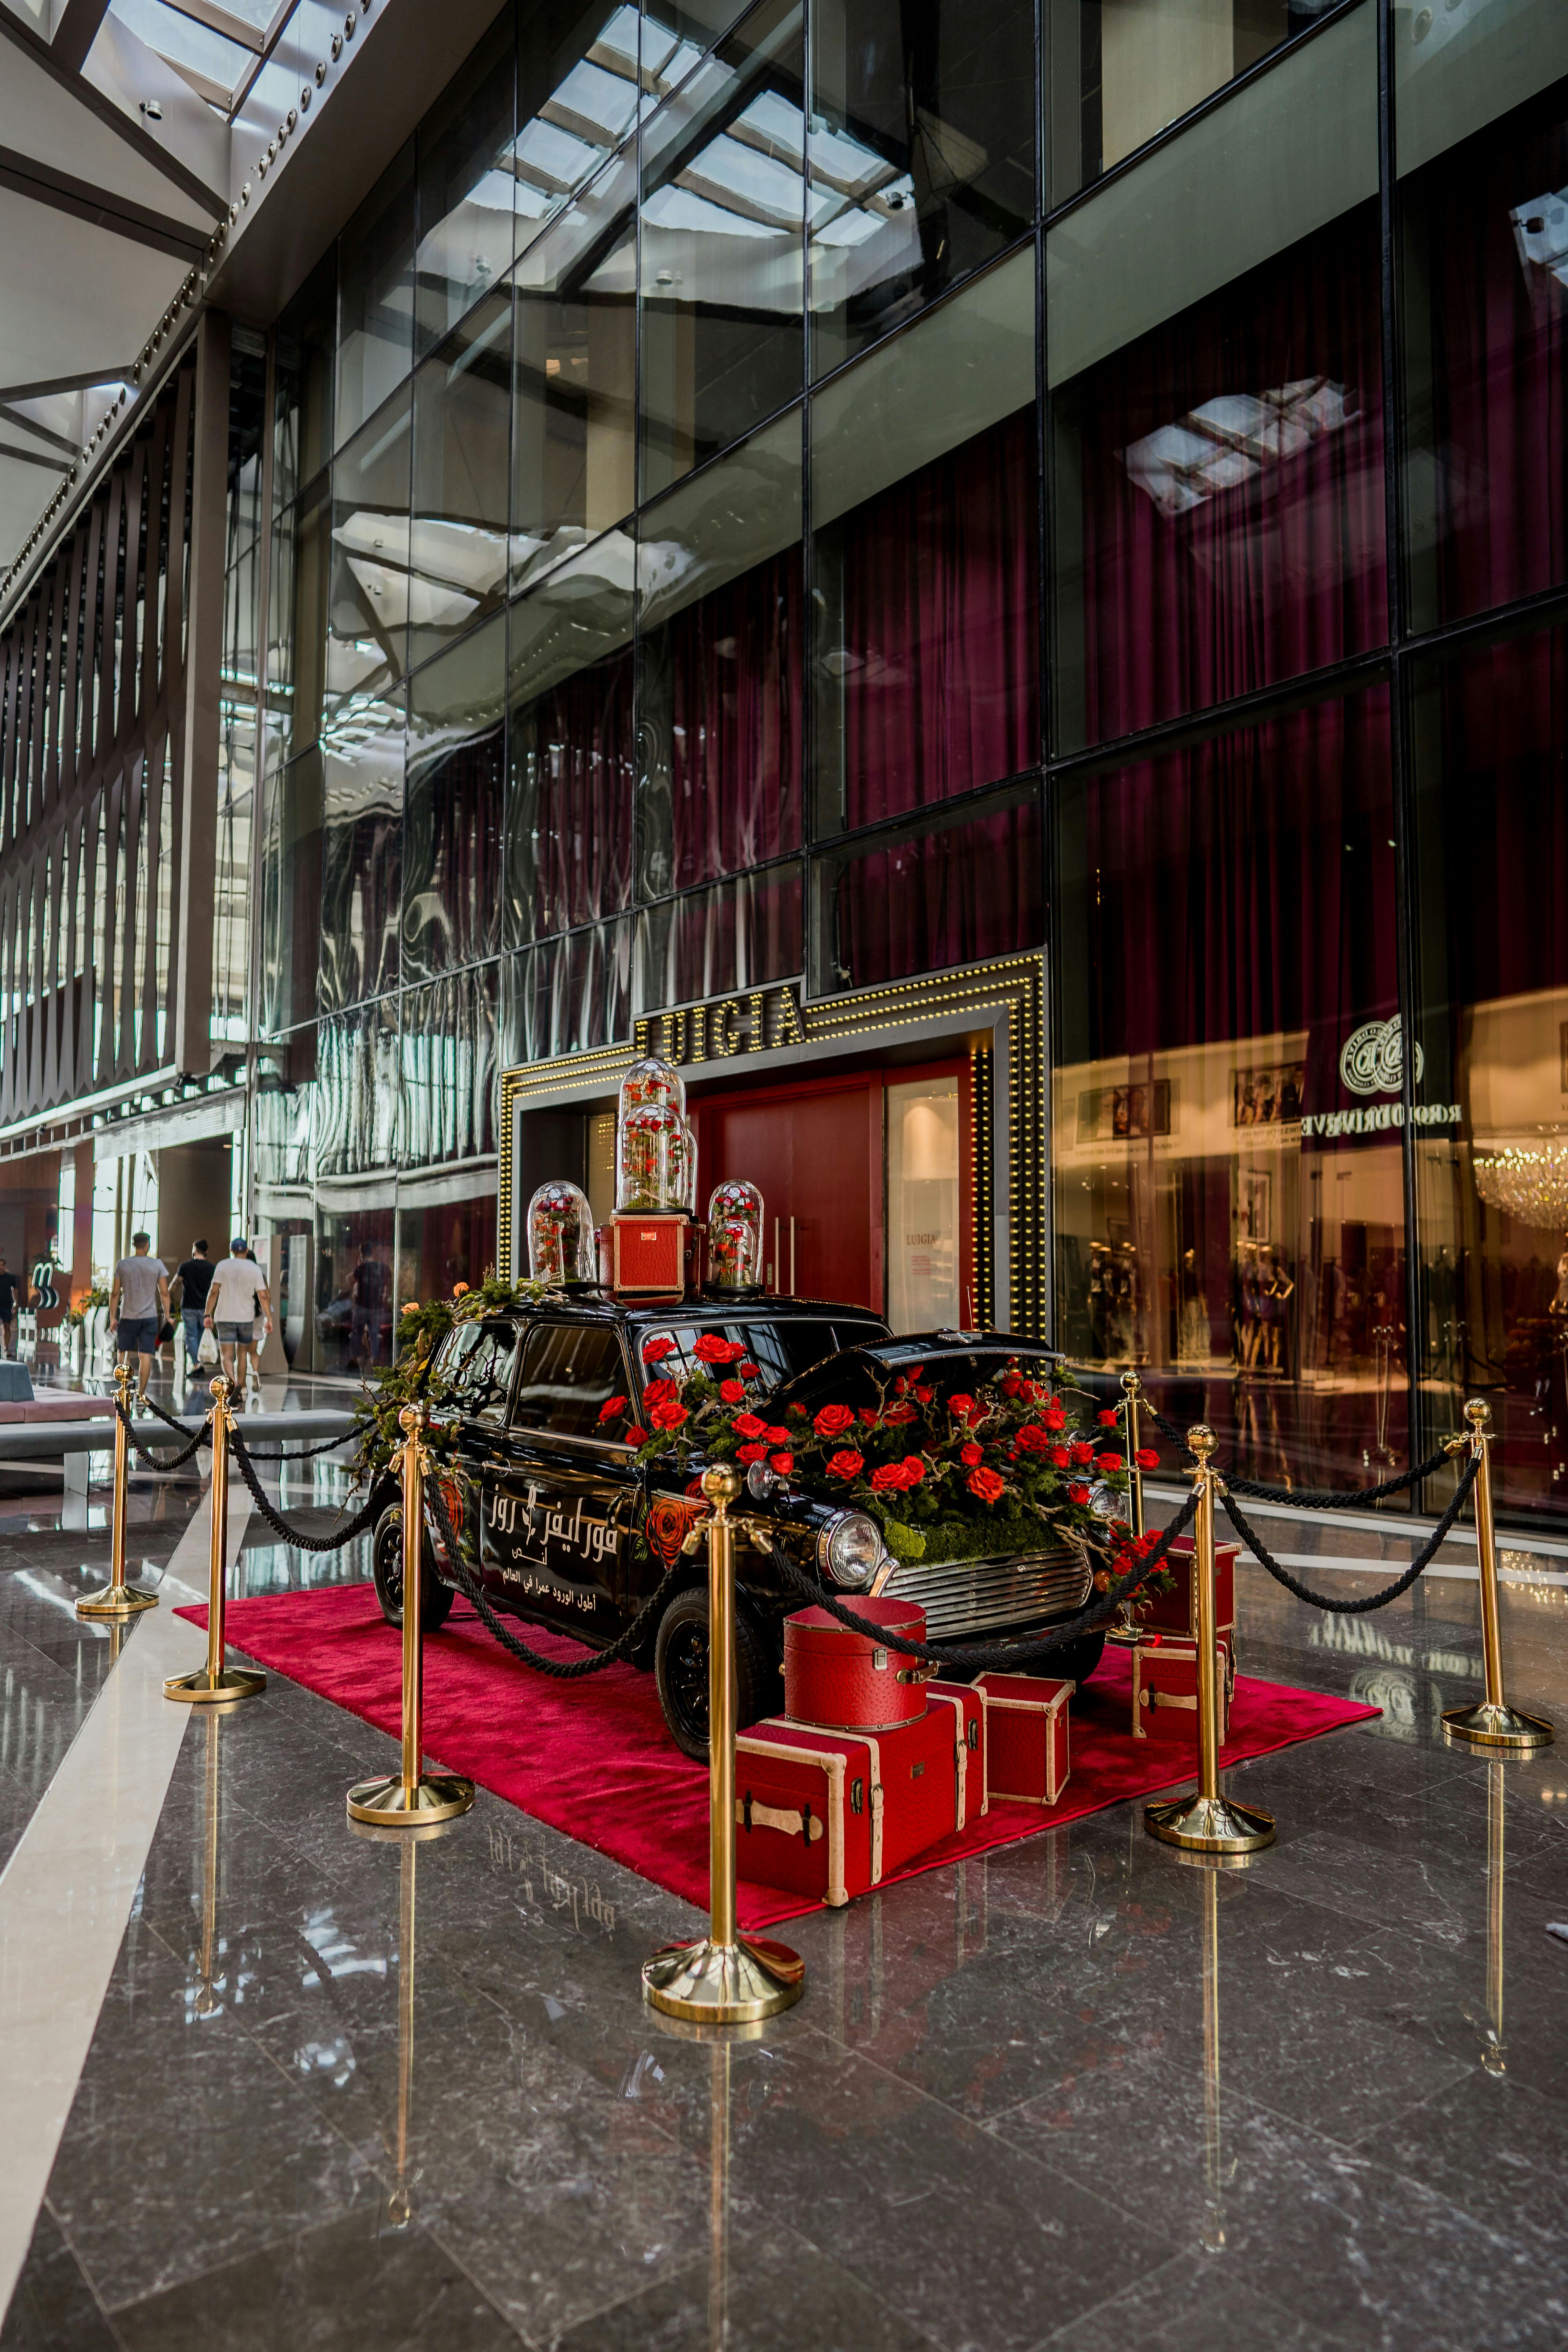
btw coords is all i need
(961, 1406)
(748, 1425)
(900, 1385)
(970, 1457)
(660, 1392)
(712, 1349)
(1108, 1463)
(747, 1371)
(1078, 1495)
(1081, 1453)
(833, 1421)
(897, 1414)
(778, 1436)
(612, 1408)
(1107, 1420)
(654, 1351)
(1146, 1458)
(1012, 1385)
(750, 1453)
(694, 1486)
(886, 1476)
(784, 1464)
(1032, 1439)
(1061, 1455)
(846, 1464)
(669, 1416)
(985, 1485)
(731, 1391)
(912, 1469)
(636, 1435)
(1055, 1414)
(868, 1415)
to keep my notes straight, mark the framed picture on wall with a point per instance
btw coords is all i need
(1270, 1097)
(1124, 1114)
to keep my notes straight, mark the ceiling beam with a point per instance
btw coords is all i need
(112, 375)
(76, 31)
(136, 136)
(34, 457)
(25, 176)
(42, 432)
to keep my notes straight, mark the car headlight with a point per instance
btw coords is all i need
(849, 1548)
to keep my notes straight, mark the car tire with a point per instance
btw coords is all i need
(680, 1671)
(1074, 1661)
(386, 1571)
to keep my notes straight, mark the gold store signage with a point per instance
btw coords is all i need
(729, 1026)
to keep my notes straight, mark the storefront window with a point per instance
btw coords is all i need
(375, 297)
(362, 854)
(292, 893)
(1489, 729)
(467, 186)
(1228, 1113)
(355, 1296)
(373, 593)
(462, 445)
(443, 1242)
(922, 1243)
(925, 901)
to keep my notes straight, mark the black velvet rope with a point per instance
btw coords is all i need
(995, 1656)
(1372, 1600)
(558, 1670)
(358, 1525)
(1308, 1498)
(203, 1437)
(306, 1454)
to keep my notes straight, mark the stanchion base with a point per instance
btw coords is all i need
(205, 1688)
(391, 1803)
(1209, 1824)
(724, 1984)
(1487, 1726)
(116, 1601)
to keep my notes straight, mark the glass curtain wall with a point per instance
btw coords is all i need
(735, 517)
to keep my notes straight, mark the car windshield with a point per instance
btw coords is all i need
(473, 1372)
(780, 1348)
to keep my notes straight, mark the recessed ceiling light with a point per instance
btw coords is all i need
(151, 109)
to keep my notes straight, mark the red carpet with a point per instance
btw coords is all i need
(594, 1759)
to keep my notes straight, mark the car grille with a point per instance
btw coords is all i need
(971, 1594)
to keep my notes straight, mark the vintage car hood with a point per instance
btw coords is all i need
(949, 1361)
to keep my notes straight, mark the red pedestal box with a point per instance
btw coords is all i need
(647, 1254)
(969, 1743)
(1165, 1688)
(830, 1815)
(1176, 1612)
(844, 1681)
(1026, 1758)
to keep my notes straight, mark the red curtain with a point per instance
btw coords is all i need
(939, 664)
(944, 898)
(1208, 575)
(735, 724)
(571, 826)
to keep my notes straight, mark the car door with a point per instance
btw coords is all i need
(559, 1494)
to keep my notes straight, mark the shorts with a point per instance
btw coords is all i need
(137, 1335)
(234, 1335)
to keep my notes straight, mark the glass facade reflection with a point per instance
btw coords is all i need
(825, 494)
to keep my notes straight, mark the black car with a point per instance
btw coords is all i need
(551, 1506)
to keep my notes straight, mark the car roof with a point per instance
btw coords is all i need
(602, 1307)
(950, 1360)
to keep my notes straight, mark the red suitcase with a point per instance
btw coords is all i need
(844, 1681)
(920, 1785)
(1026, 1755)
(1176, 1612)
(968, 1742)
(808, 1811)
(1165, 1687)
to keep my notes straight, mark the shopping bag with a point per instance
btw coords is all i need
(207, 1352)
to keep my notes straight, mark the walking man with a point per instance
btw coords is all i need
(235, 1295)
(195, 1279)
(7, 1309)
(137, 1302)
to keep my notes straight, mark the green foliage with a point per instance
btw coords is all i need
(421, 1327)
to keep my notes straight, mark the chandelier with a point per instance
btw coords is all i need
(1530, 1185)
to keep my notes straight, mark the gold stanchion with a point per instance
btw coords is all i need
(117, 1599)
(1206, 1822)
(216, 1683)
(412, 1798)
(1125, 1630)
(719, 1979)
(1492, 1724)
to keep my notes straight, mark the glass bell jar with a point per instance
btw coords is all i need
(561, 1244)
(655, 1160)
(735, 1237)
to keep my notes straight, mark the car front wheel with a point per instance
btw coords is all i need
(436, 1599)
(680, 1671)
(1074, 1661)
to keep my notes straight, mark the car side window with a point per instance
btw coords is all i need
(570, 1371)
(480, 1378)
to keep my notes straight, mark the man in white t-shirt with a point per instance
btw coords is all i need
(235, 1296)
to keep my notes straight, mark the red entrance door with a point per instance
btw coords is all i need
(815, 1155)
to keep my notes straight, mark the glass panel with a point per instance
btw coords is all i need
(1122, 69)
(354, 1112)
(674, 34)
(576, 448)
(211, 55)
(733, 936)
(568, 1370)
(462, 433)
(354, 1307)
(720, 593)
(456, 780)
(303, 383)
(1485, 277)
(373, 596)
(375, 296)
(924, 902)
(576, 97)
(442, 1243)
(233, 878)
(362, 862)
(1214, 336)
(1459, 67)
(567, 995)
(922, 157)
(1491, 1138)
(569, 692)
(1229, 1193)
(292, 893)
(721, 274)
(922, 1207)
(926, 606)
(297, 621)
(246, 413)
(449, 1069)
(465, 187)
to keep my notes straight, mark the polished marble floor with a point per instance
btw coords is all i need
(1077, 2092)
